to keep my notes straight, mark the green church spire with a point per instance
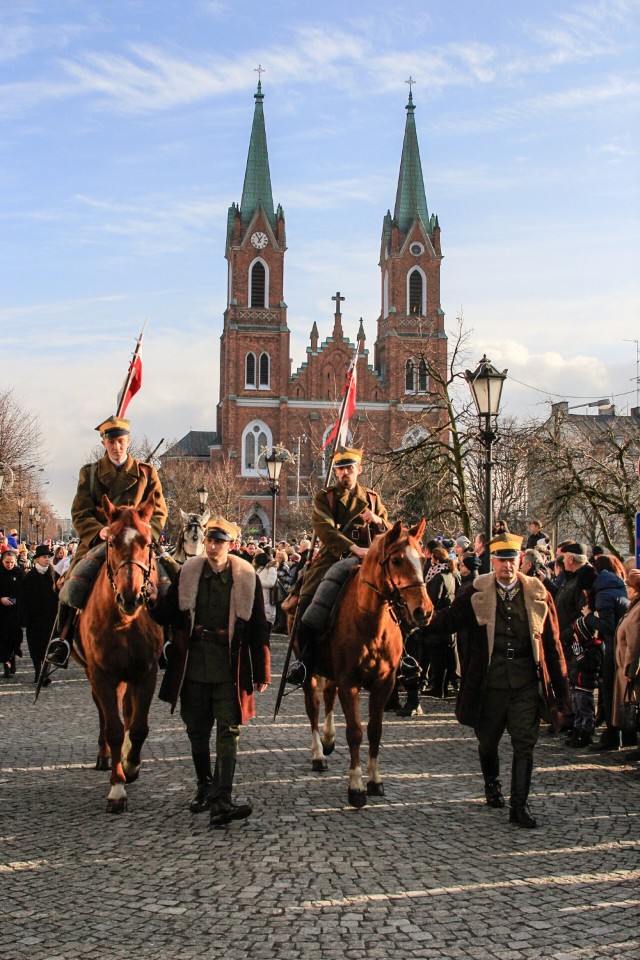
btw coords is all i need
(256, 191)
(411, 200)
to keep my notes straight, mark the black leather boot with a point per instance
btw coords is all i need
(59, 649)
(490, 766)
(202, 799)
(412, 707)
(223, 809)
(519, 812)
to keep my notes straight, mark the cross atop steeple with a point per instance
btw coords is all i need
(337, 299)
(260, 70)
(411, 82)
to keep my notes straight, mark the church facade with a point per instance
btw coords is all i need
(264, 402)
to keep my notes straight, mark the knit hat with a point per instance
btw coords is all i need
(463, 543)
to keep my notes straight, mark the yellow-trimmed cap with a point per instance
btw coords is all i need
(218, 528)
(346, 456)
(113, 427)
(506, 546)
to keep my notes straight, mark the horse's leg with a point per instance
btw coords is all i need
(312, 708)
(350, 700)
(103, 761)
(329, 726)
(107, 695)
(378, 697)
(136, 704)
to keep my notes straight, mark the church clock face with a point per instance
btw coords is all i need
(259, 240)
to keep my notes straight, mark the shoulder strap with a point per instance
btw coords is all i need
(92, 479)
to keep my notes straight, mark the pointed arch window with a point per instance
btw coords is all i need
(250, 370)
(265, 371)
(409, 377)
(256, 441)
(416, 292)
(258, 286)
(423, 377)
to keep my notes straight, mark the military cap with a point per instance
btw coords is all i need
(346, 456)
(505, 546)
(113, 427)
(218, 528)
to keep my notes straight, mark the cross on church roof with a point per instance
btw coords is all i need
(260, 70)
(337, 299)
(411, 82)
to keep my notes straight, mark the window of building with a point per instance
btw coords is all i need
(258, 284)
(250, 370)
(409, 379)
(265, 371)
(415, 292)
(256, 442)
(423, 377)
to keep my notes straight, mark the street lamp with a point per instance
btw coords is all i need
(203, 496)
(486, 385)
(32, 514)
(274, 466)
(20, 502)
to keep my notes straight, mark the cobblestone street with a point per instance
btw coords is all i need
(428, 871)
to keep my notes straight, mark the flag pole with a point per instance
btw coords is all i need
(127, 383)
(343, 409)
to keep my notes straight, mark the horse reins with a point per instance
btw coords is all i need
(395, 598)
(146, 570)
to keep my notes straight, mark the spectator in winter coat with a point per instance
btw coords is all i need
(267, 571)
(11, 577)
(39, 606)
(585, 668)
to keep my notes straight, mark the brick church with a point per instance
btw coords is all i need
(263, 401)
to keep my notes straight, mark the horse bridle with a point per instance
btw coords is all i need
(146, 570)
(395, 598)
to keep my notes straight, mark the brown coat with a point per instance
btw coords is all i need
(249, 652)
(627, 654)
(475, 610)
(128, 487)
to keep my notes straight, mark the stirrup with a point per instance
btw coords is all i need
(297, 673)
(57, 654)
(409, 668)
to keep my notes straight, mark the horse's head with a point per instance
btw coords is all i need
(401, 558)
(192, 537)
(129, 560)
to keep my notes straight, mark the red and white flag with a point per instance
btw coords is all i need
(341, 426)
(133, 380)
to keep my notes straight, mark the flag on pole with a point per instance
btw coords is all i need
(133, 380)
(341, 426)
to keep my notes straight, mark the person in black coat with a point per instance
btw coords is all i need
(39, 605)
(11, 577)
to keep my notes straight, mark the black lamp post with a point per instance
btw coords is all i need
(274, 466)
(20, 502)
(32, 514)
(203, 496)
(486, 385)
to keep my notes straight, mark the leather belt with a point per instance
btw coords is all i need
(201, 633)
(511, 654)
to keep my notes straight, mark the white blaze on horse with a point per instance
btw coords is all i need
(190, 542)
(119, 645)
(364, 648)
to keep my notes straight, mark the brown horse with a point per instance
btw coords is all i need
(119, 645)
(364, 650)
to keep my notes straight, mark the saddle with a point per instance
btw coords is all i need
(81, 578)
(320, 612)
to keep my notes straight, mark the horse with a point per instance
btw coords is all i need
(364, 650)
(118, 644)
(190, 542)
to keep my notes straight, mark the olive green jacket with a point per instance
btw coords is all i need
(128, 487)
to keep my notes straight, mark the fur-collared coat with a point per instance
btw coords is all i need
(475, 610)
(627, 654)
(129, 486)
(249, 652)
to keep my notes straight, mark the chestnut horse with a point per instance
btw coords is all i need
(364, 649)
(119, 645)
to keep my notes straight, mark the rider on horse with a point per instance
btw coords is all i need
(346, 518)
(127, 482)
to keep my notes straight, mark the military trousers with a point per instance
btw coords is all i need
(517, 712)
(202, 705)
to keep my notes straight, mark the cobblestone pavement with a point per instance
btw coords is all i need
(426, 872)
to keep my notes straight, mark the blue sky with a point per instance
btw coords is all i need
(125, 128)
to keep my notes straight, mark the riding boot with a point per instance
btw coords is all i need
(519, 812)
(412, 707)
(202, 799)
(490, 766)
(59, 649)
(302, 668)
(223, 809)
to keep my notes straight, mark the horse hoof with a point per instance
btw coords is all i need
(319, 766)
(103, 763)
(375, 789)
(117, 806)
(357, 798)
(328, 748)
